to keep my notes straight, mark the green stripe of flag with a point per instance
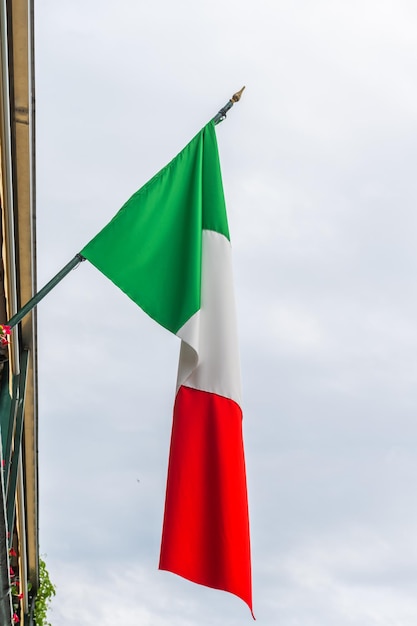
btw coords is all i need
(151, 249)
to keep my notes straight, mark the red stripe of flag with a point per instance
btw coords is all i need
(205, 535)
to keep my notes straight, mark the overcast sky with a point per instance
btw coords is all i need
(318, 162)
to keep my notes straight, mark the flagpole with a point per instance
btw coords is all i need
(219, 117)
(45, 290)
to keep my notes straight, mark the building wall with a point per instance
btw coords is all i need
(18, 384)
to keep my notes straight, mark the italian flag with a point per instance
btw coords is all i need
(168, 249)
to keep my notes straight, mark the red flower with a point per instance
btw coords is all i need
(19, 596)
(15, 618)
(4, 332)
(12, 551)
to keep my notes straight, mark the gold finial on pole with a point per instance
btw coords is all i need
(236, 97)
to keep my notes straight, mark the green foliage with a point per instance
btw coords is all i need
(45, 593)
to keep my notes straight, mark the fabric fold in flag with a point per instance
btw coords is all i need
(168, 249)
